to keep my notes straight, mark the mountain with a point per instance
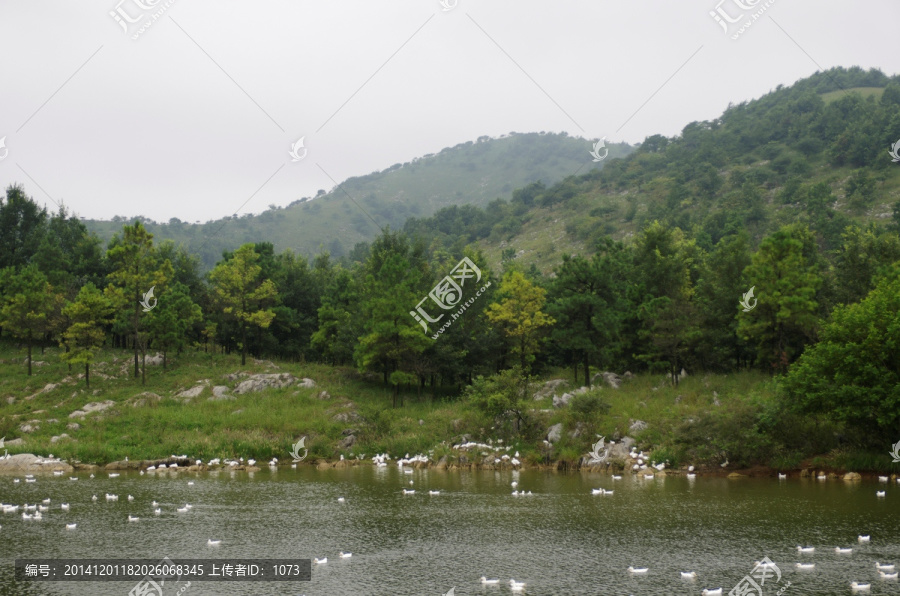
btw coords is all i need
(355, 211)
(815, 153)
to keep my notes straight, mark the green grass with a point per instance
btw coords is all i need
(684, 424)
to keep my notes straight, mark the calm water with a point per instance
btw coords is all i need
(561, 540)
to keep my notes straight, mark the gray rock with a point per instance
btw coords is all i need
(554, 433)
(627, 375)
(47, 388)
(637, 426)
(611, 379)
(96, 406)
(581, 390)
(221, 398)
(154, 360)
(265, 381)
(323, 394)
(235, 376)
(29, 428)
(14, 442)
(56, 438)
(347, 442)
(73, 426)
(683, 374)
(550, 388)
(561, 401)
(220, 391)
(621, 448)
(28, 462)
(307, 383)
(192, 392)
(347, 417)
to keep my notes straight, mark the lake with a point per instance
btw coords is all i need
(561, 540)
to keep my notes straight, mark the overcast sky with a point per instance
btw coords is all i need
(194, 116)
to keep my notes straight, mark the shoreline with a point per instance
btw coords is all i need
(31, 463)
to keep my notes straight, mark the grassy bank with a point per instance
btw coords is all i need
(705, 420)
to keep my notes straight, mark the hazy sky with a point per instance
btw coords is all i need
(195, 117)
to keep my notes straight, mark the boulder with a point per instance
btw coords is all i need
(96, 406)
(73, 426)
(220, 393)
(349, 416)
(611, 379)
(347, 442)
(192, 392)
(47, 388)
(550, 388)
(260, 382)
(683, 374)
(627, 375)
(154, 360)
(554, 433)
(307, 383)
(561, 401)
(323, 394)
(56, 438)
(852, 477)
(637, 426)
(30, 463)
(14, 442)
(621, 448)
(736, 475)
(235, 376)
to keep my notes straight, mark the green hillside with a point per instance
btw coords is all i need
(809, 153)
(470, 173)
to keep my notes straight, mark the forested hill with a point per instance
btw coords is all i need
(816, 153)
(469, 173)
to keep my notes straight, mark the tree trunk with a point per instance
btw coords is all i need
(143, 367)
(587, 370)
(164, 359)
(135, 355)
(29, 355)
(87, 374)
(243, 344)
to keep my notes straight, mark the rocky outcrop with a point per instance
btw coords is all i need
(220, 393)
(550, 388)
(852, 477)
(554, 433)
(96, 406)
(610, 378)
(637, 426)
(28, 463)
(47, 388)
(307, 383)
(259, 382)
(192, 392)
(561, 401)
